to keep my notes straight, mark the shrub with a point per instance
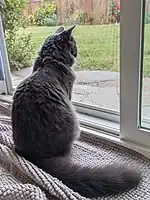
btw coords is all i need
(19, 46)
(45, 14)
(147, 18)
(20, 50)
(12, 15)
(31, 20)
(52, 21)
(1, 7)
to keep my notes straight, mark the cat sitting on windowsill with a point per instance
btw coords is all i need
(45, 124)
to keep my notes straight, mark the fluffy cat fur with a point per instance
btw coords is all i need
(45, 124)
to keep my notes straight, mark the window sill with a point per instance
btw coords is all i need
(117, 141)
(109, 131)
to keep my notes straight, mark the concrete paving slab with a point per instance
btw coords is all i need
(92, 87)
(23, 72)
(104, 97)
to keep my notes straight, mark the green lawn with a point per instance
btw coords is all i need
(98, 46)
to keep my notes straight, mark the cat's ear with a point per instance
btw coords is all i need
(69, 31)
(59, 30)
(66, 34)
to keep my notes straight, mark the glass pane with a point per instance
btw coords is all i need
(98, 38)
(145, 99)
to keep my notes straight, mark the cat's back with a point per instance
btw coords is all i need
(41, 111)
(37, 88)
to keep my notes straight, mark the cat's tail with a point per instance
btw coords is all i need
(95, 182)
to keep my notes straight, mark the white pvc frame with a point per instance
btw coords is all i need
(130, 72)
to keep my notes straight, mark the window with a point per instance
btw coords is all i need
(111, 93)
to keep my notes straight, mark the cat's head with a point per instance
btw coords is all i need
(65, 40)
(60, 46)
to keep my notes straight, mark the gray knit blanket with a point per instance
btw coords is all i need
(20, 179)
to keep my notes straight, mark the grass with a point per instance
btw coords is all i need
(98, 46)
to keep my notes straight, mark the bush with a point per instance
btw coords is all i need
(19, 46)
(45, 15)
(31, 20)
(12, 15)
(20, 50)
(52, 21)
(1, 7)
(147, 18)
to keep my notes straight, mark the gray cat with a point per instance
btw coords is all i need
(45, 124)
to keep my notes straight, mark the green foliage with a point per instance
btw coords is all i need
(52, 21)
(13, 17)
(46, 15)
(147, 18)
(1, 7)
(31, 20)
(20, 49)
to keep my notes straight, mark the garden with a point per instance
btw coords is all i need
(98, 43)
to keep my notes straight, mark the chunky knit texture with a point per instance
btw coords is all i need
(20, 179)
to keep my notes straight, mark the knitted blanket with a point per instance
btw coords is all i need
(20, 179)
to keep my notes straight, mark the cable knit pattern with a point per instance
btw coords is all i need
(20, 179)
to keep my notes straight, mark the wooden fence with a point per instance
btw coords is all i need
(98, 10)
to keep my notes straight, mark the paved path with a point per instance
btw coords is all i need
(92, 87)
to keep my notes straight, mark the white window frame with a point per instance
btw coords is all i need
(131, 30)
